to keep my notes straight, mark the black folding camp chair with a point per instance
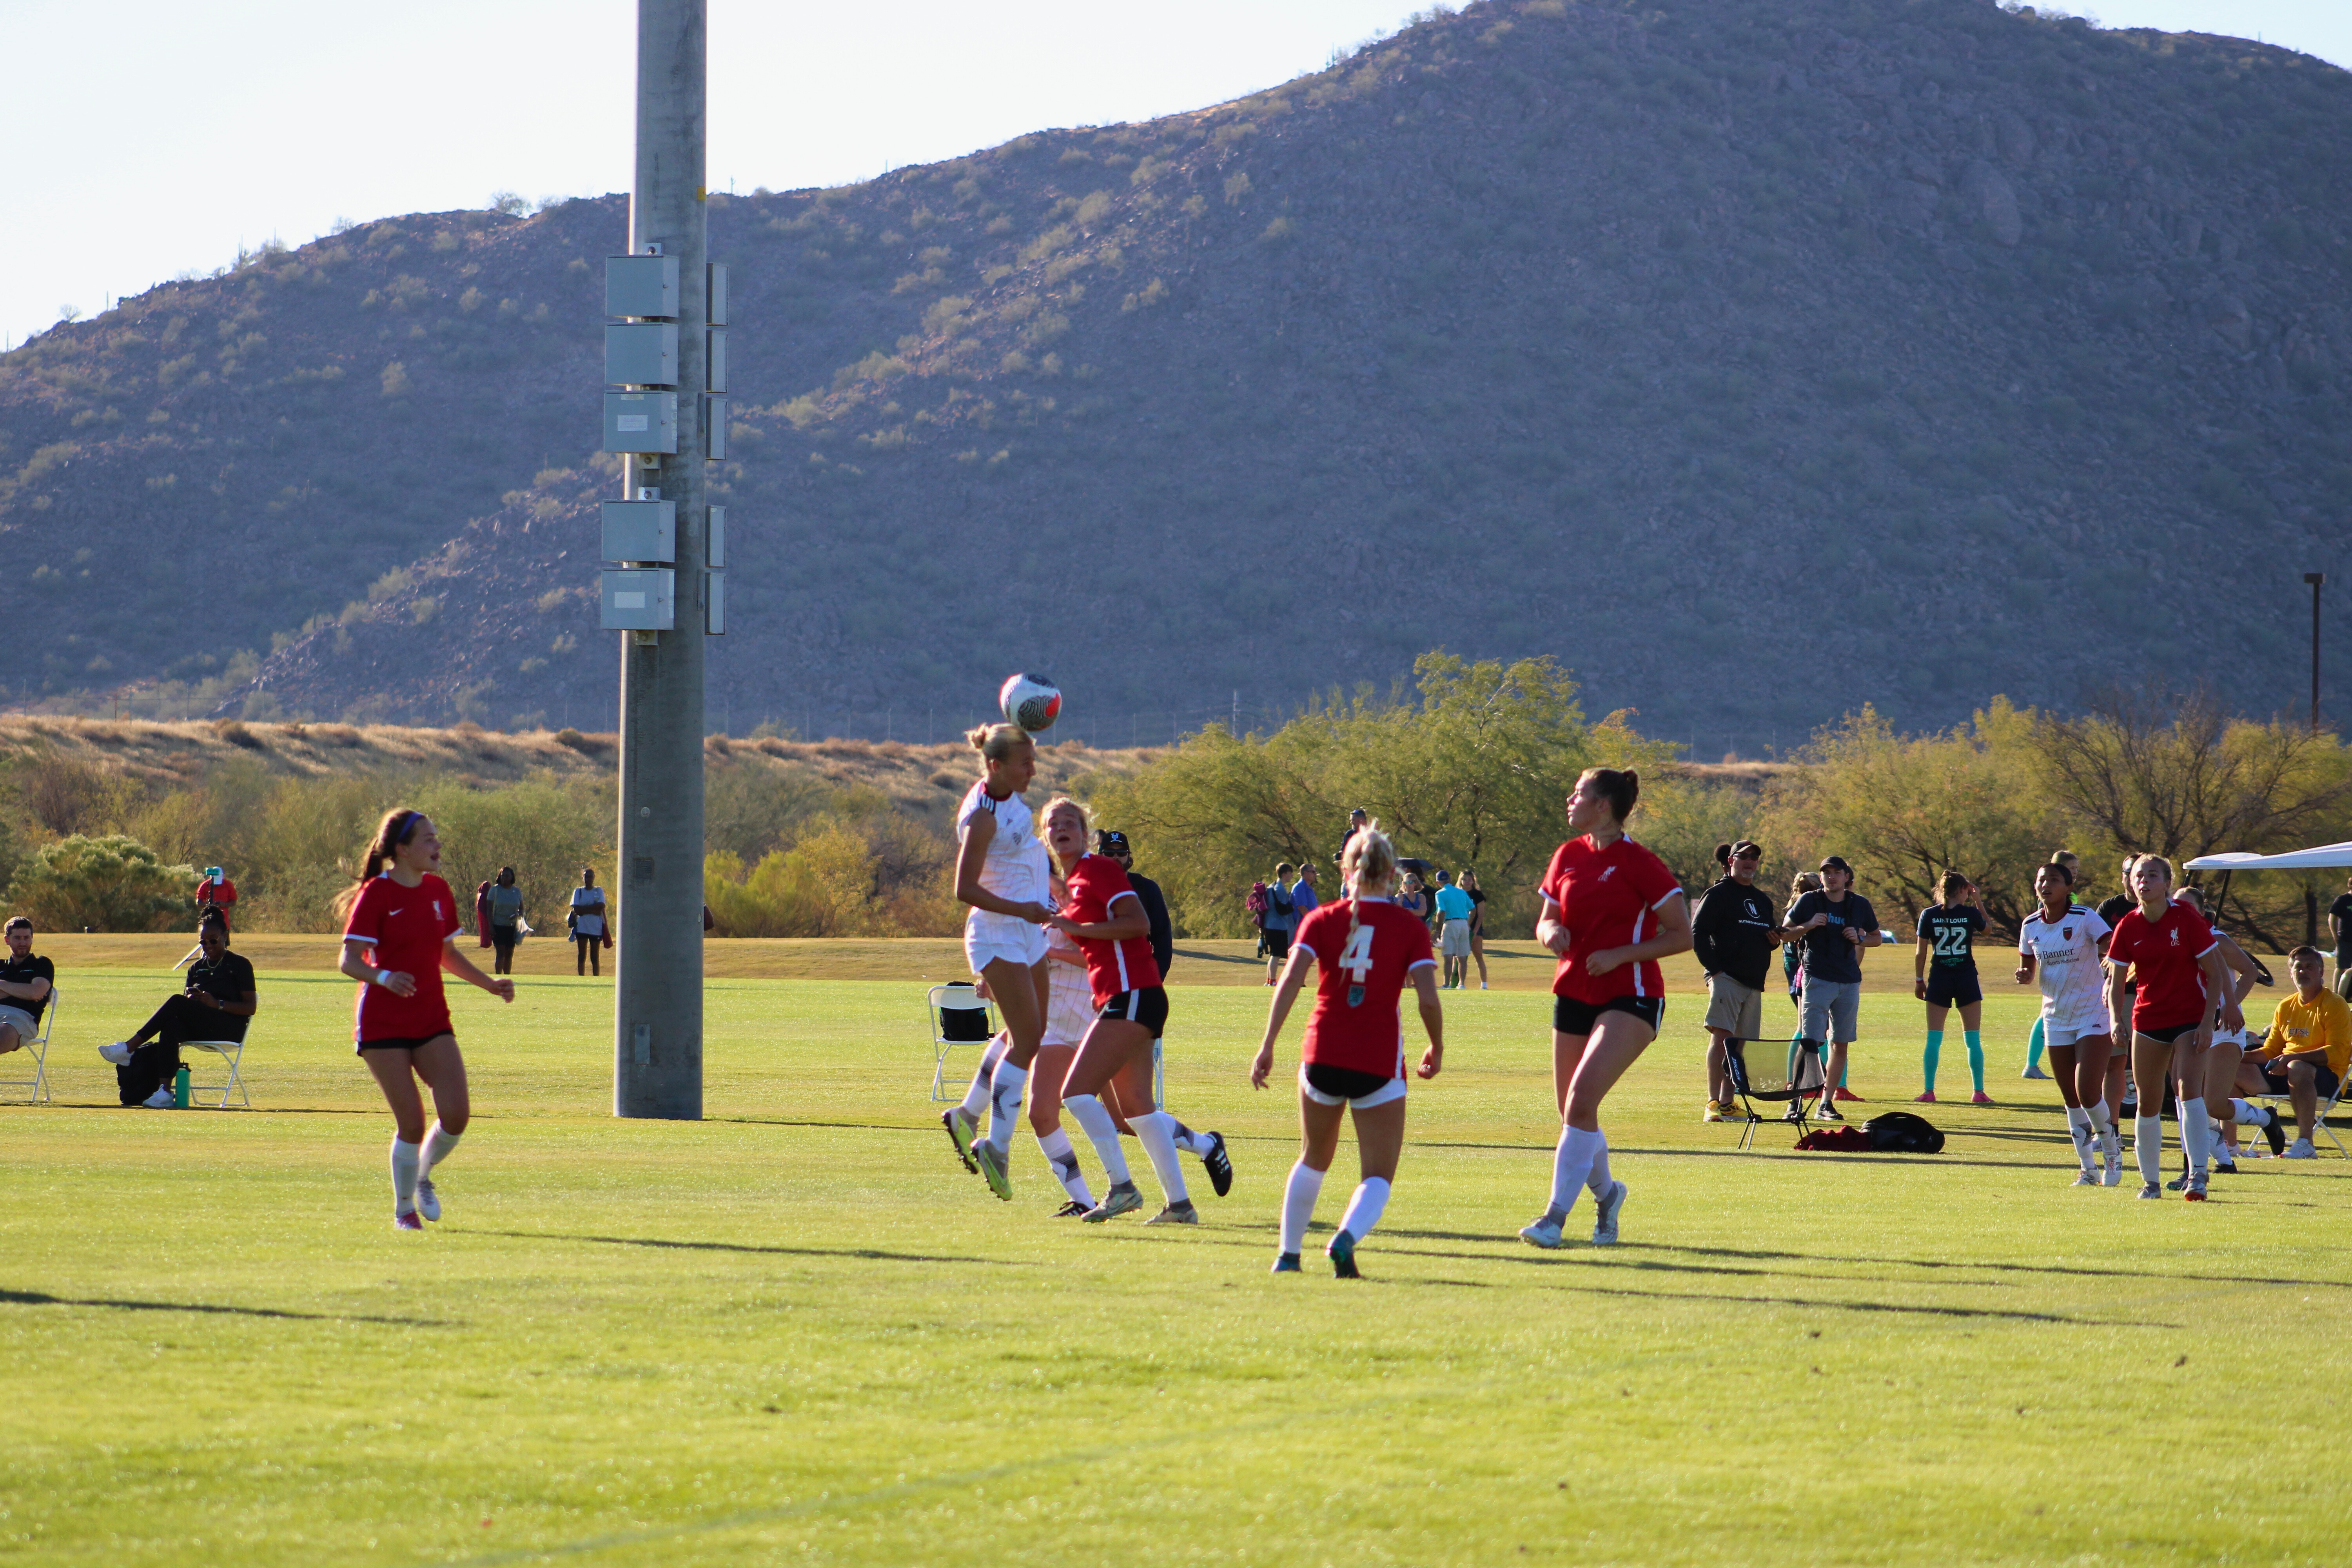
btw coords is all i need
(1801, 1078)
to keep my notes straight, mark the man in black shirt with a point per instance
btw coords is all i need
(26, 983)
(2339, 921)
(219, 1000)
(1735, 933)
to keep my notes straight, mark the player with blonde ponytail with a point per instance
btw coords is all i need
(1354, 1057)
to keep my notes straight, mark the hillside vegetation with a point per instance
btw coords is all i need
(1753, 362)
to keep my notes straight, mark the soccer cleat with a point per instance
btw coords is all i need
(1121, 1199)
(2033, 1072)
(2300, 1149)
(1544, 1233)
(2086, 1178)
(161, 1100)
(1342, 1254)
(1287, 1263)
(960, 1130)
(118, 1053)
(2275, 1135)
(2113, 1175)
(1980, 1098)
(2225, 1162)
(1219, 1163)
(1926, 1099)
(2178, 1184)
(1176, 1214)
(2150, 1190)
(1604, 1220)
(407, 1220)
(992, 1166)
(2196, 1192)
(428, 1202)
(1072, 1210)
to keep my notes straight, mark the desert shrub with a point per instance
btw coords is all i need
(111, 884)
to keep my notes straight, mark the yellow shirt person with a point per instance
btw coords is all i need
(2322, 1023)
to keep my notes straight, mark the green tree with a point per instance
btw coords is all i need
(109, 884)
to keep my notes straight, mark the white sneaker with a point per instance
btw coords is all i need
(1544, 1233)
(428, 1202)
(118, 1053)
(159, 1101)
(2300, 1149)
(1604, 1227)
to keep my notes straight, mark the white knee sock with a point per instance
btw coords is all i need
(1065, 1160)
(439, 1145)
(975, 1099)
(1101, 1131)
(2195, 1136)
(1571, 1163)
(2078, 1126)
(1298, 1197)
(2148, 1146)
(2102, 1119)
(1196, 1145)
(2246, 1114)
(1364, 1210)
(1157, 1132)
(1598, 1179)
(405, 1157)
(1004, 1105)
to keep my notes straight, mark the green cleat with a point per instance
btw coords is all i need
(992, 1166)
(959, 1131)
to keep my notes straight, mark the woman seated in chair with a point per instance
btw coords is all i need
(218, 1002)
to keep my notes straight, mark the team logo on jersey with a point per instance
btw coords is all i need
(1355, 996)
(2065, 933)
(2175, 934)
(1607, 872)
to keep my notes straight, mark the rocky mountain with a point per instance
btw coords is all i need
(1756, 361)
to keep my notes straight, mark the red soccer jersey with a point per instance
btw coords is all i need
(2163, 958)
(1356, 1023)
(1096, 883)
(1606, 898)
(403, 928)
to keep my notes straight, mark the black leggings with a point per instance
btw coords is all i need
(179, 1018)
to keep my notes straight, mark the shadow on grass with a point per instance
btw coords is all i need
(1896, 1308)
(42, 1299)
(864, 1254)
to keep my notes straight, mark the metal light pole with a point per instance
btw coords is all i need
(2311, 894)
(657, 996)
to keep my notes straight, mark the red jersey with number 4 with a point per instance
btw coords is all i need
(2164, 957)
(1606, 897)
(403, 930)
(1096, 883)
(1356, 1023)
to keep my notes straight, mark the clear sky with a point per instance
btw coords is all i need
(153, 137)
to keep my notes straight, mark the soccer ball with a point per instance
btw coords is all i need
(1031, 701)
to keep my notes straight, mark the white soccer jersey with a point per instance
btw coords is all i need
(2066, 955)
(1071, 1010)
(1017, 867)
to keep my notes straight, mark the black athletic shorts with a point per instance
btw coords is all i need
(2324, 1079)
(1345, 1083)
(1277, 941)
(1951, 986)
(408, 1045)
(1145, 1004)
(2170, 1034)
(1571, 1017)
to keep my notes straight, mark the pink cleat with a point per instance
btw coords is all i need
(1980, 1098)
(1926, 1099)
(407, 1222)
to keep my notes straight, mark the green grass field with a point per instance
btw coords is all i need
(797, 1331)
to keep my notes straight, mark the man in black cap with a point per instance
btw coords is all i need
(1836, 923)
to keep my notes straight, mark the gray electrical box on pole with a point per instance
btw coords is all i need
(662, 287)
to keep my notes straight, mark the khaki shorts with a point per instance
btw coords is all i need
(22, 1022)
(1734, 1008)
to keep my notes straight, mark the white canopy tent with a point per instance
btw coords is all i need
(2326, 857)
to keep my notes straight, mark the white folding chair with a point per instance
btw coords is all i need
(2282, 1106)
(959, 1017)
(37, 1048)
(231, 1052)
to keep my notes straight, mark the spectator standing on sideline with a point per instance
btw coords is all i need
(503, 920)
(1838, 924)
(1413, 900)
(1113, 843)
(1469, 884)
(1733, 933)
(26, 982)
(2339, 921)
(1356, 819)
(217, 1002)
(1303, 901)
(217, 891)
(1281, 919)
(1454, 909)
(587, 922)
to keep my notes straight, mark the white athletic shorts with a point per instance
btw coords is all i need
(2065, 1036)
(988, 937)
(1072, 1007)
(1453, 939)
